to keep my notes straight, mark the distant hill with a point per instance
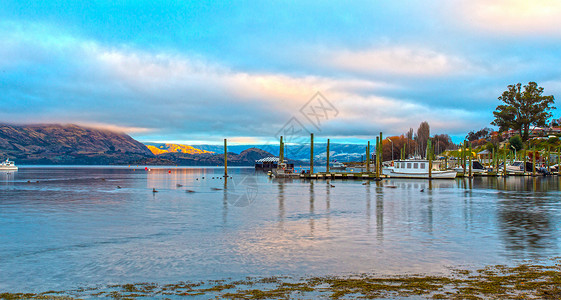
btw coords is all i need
(68, 144)
(159, 148)
(301, 152)
(245, 158)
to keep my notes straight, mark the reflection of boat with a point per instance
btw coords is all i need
(8, 165)
(476, 168)
(415, 168)
(337, 166)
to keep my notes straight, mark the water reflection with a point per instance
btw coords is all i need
(73, 226)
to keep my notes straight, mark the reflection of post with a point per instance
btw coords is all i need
(379, 214)
(225, 203)
(328, 207)
(368, 208)
(281, 202)
(312, 198)
(225, 158)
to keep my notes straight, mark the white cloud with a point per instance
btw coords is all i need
(512, 17)
(400, 60)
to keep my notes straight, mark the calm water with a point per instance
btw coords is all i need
(61, 228)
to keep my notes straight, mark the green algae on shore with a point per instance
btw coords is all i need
(526, 281)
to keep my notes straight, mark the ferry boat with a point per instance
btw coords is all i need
(415, 168)
(8, 165)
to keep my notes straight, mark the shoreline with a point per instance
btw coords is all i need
(523, 281)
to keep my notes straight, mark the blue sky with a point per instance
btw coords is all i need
(198, 71)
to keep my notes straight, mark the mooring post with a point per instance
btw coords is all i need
(311, 153)
(497, 160)
(548, 156)
(524, 169)
(381, 153)
(377, 162)
(470, 160)
(558, 160)
(225, 158)
(504, 161)
(368, 158)
(281, 152)
(534, 161)
(429, 154)
(464, 156)
(327, 165)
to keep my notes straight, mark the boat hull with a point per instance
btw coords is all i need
(420, 175)
(8, 168)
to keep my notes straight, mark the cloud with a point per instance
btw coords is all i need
(160, 95)
(512, 17)
(399, 60)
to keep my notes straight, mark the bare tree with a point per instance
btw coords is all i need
(423, 134)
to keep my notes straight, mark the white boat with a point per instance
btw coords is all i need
(416, 168)
(337, 166)
(517, 167)
(8, 165)
(476, 168)
(284, 171)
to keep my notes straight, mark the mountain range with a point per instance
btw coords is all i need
(73, 144)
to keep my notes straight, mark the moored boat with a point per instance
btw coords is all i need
(284, 171)
(8, 165)
(337, 166)
(416, 168)
(476, 168)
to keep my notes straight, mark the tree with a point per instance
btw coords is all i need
(555, 122)
(441, 142)
(523, 108)
(480, 134)
(516, 142)
(423, 134)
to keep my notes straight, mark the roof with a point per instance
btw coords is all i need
(484, 152)
(268, 159)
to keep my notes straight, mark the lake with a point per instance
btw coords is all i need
(66, 227)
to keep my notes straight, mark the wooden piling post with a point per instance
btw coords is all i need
(504, 161)
(548, 156)
(558, 160)
(524, 169)
(327, 165)
(281, 152)
(429, 154)
(377, 157)
(381, 154)
(225, 157)
(533, 161)
(470, 160)
(464, 163)
(311, 153)
(368, 158)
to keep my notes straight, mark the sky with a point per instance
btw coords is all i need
(200, 71)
